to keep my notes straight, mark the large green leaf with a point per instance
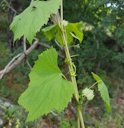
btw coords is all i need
(47, 89)
(30, 21)
(103, 91)
(73, 30)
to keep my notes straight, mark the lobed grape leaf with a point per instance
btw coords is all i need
(47, 89)
(73, 30)
(30, 21)
(103, 91)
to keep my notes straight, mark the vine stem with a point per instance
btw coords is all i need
(71, 67)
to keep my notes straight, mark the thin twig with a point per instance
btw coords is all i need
(92, 86)
(8, 65)
(58, 45)
(9, 6)
(24, 47)
(48, 46)
(17, 60)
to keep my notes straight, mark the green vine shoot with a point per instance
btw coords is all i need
(48, 90)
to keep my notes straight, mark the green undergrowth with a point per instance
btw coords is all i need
(15, 82)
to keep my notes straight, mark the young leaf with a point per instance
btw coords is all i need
(30, 21)
(50, 31)
(47, 89)
(103, 91)
(73, 30)
(88, 93)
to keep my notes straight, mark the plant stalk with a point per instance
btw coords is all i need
(71, 66)
(73, 79)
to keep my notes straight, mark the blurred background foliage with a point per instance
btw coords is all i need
(102, 52)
